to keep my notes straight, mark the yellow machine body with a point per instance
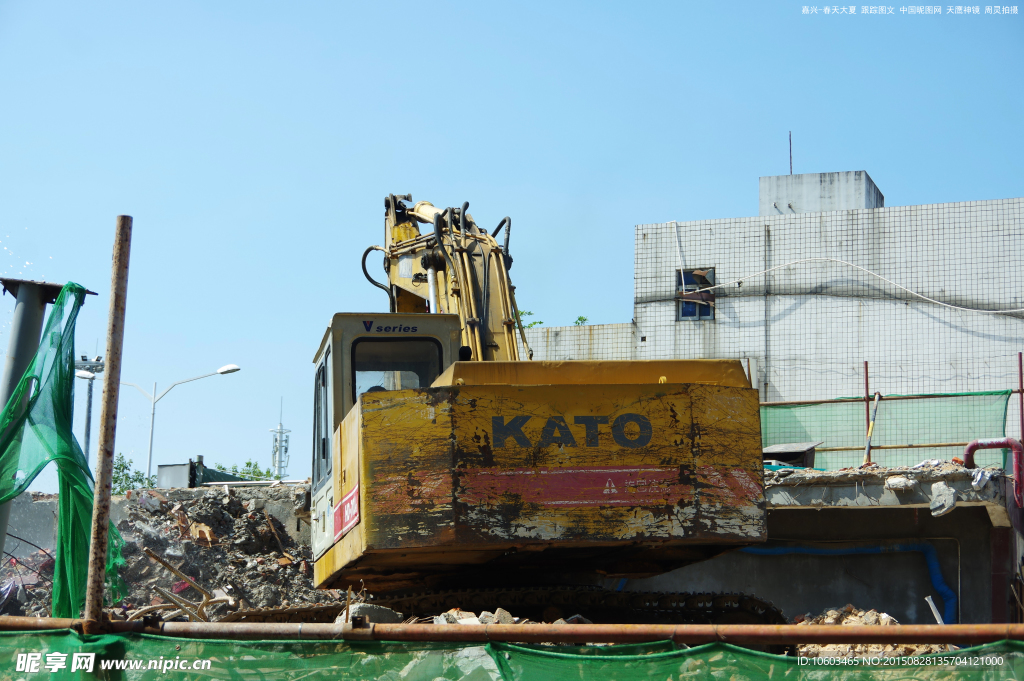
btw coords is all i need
(603, 465)
(429, 470)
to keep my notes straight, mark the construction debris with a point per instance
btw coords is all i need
(222, 549)
(938, 485)
(376, 614)
(213, 556)
(499, 616)
(943, 499)
(852, 616)
(26, 585)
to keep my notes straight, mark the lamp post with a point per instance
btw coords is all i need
(87, 369)
(154, 398)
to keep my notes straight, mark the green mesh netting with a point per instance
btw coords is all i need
(956, 417)
(132, 657)
(720, 661)
(35, 429)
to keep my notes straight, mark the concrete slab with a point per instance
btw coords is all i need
(883, 487)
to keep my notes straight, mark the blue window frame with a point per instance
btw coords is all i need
(688, 281)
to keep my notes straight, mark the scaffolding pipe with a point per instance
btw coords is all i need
(108, 426)
(871, 428)
(907, 446)
(1002, 443)
(750, 634)
(867, 400)
(791, 403)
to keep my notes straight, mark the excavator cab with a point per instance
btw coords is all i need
(367, 353)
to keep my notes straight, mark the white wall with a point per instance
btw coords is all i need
(824, 319)
(817, 192)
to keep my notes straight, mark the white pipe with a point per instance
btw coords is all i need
(432, 289)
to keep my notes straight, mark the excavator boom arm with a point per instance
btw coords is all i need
(453, 267)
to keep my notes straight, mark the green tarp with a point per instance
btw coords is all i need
(53, 654)
(35, 429)
(956, 417)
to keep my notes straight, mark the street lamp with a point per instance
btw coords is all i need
(226, 369)
(87, 370)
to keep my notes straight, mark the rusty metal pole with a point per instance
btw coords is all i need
(1020, 391)
(756, 634)
(108, 424)
(867, 399)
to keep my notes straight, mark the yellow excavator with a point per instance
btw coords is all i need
(452, 470)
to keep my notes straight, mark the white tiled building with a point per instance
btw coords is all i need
(806, 328)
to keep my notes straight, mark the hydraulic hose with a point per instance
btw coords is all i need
(387, 290)
(440, 242)
(501, 224)
(931, 557)
(508, 231)
(451, 263)
(486, 290)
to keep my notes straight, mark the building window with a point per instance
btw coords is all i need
(692, 303)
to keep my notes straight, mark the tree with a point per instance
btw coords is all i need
(250, 471)
(580, 321)
(527, 313)
(125, 477)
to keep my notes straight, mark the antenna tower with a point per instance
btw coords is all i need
(279, 457)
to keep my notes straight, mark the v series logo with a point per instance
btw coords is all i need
(368, 325)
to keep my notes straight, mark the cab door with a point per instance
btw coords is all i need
(322, 516)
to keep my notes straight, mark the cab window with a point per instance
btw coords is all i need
(393, 364)
(322, 422)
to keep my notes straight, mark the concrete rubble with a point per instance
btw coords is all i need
(230, 544)
(225, 539)
(26, 584)
(936, 485)
(853, 616)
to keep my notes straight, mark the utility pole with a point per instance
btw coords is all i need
(154, 398)
(87, 369)
(279, 457)
(790, 152)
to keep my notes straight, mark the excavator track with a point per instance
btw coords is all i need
(550, 603)
(305, 614)
(594, 603)
(598, 605)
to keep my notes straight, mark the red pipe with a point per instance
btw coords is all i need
(1018, 460)
(960, 634)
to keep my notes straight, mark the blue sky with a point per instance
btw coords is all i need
(254, 142)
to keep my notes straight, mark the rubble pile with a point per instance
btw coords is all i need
(26, 585)
(925, 471)
(852, 616)
(379, 614)
(226, 541)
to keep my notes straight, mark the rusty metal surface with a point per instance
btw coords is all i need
(461, 475)
(49, 290)
(613, 463)
(1018, 460)
(959, 634)
(108, 421)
